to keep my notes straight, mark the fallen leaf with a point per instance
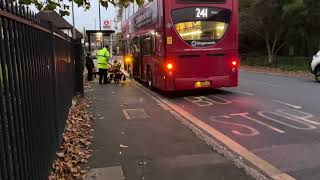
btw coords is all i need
(77, 139)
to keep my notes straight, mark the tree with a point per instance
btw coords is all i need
(64, 8)
(306, 23)
(272, 21)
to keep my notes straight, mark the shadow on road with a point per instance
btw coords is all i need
(196, 92)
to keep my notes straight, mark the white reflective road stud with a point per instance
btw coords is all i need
(253, 132)
(246, 116)
(307, 126)
(306, 117)
(199, 101)
(223, 101)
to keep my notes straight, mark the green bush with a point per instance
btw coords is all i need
(283, 63)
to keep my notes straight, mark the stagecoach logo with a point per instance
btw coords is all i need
(202, 43)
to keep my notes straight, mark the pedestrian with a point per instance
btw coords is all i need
(103, 56)
(89, 66)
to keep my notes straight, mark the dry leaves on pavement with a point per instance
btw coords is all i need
(75, 148)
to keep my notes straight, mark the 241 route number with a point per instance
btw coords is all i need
(202, 12)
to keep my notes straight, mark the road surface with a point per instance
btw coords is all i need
(136, 139)
(276, 119)
(272, 122)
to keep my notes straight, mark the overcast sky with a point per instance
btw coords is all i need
(88, 19)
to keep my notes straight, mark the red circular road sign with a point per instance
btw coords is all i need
(106, 23)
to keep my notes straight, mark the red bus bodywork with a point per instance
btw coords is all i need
(179, 64)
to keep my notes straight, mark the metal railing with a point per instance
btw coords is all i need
(36, 89)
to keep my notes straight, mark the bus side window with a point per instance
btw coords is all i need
(147, 45)
(153, 44)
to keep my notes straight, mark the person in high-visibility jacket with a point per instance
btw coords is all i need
(103, 57)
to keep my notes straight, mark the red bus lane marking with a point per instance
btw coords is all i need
(252, 131)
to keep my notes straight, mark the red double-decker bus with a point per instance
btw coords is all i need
(183, 44)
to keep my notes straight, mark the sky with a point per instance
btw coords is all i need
(90, 19)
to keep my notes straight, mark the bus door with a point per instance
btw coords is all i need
(146, 54)
(137, 56)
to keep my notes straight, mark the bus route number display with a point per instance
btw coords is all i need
(202, 12)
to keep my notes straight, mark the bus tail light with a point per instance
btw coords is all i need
(169, 66)
(234, 63)
(169, 69)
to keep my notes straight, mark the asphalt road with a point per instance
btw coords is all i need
(272, 122)
(135, 138)
(275, 118)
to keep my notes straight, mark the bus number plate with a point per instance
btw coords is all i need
(200, 84)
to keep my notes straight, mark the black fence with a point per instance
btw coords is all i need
(37, 82)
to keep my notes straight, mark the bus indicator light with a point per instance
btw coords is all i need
(169, 40)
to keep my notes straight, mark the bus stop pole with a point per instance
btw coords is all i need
(89, 41)
(99, 17)
(111, 43)
(73, 22)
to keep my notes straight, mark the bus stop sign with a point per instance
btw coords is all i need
(106, 24)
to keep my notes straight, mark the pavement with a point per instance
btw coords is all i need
(135, 138)
(271, 122)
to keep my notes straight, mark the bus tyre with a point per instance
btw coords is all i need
(317, 74)
(150, 79)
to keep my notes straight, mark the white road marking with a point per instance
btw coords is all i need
(244, 92)
(135, 114)
(287, 104)
(267, 168)
(245, 115)
(307, 125)
(223, 100)
(306, 117)
(126, 115)
(199, 101)
(253, 132)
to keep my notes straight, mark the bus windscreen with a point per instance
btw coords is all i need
(201, 26)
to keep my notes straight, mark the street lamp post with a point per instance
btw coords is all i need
(99, 16)
(73, 22)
